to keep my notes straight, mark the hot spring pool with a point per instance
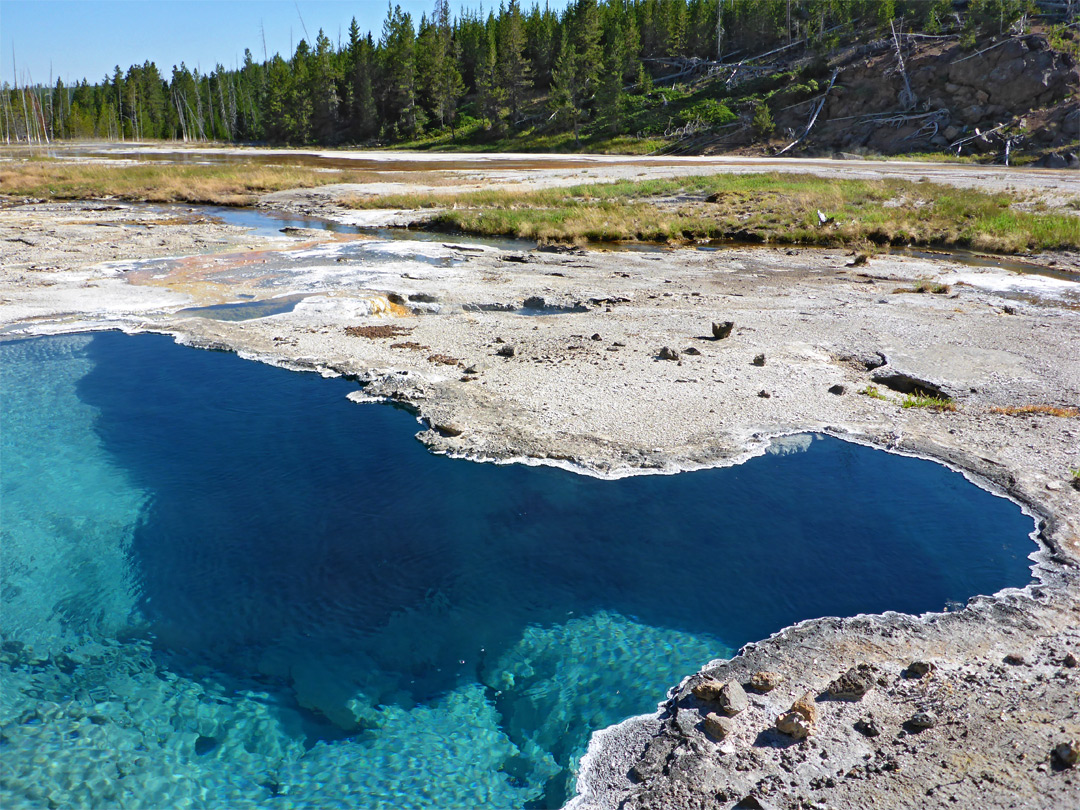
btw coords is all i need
(226, 586)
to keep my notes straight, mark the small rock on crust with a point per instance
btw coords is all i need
(718, 727)
(668, 353)
(692, 350)
(917, 669)
(836, 389)
(764, 681)
(1070, 661)
(728, 695)
(921, 720)
(707, 689)
(764, 394)
(722, 330)
(1066, 754)
(867, 726)
(1014, 659)
(732, 698)
(505, 351)
(793, 724)
(853, 684)
(806, 707)
(759, 360)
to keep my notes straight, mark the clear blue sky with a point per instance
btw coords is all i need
(76, 39)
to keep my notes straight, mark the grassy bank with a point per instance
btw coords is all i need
(773, 208)
(238, 184)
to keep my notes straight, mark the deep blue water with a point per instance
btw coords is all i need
(274, 545)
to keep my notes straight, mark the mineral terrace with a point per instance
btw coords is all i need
(606, 362)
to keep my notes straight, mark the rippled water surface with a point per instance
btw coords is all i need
(226, 586)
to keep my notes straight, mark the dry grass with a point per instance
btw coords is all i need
(769, 207)
(1045, 410)
(231, 184)
(375, 332)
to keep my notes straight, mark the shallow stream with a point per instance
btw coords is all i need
(226, 586)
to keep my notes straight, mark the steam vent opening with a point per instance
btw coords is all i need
(224, 585)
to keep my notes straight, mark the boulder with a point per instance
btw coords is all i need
(794, 725)
(707, 689)
(918, 669)
(718, 727)
(728, 696)
(722, 330)
(806, 707)
(765, 681)
(853, 684)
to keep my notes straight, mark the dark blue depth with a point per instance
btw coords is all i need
(288, 522)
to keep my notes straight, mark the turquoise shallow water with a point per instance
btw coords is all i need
(224, 585)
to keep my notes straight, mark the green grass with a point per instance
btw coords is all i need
(921, 400)
(776, 208)
(874, 392)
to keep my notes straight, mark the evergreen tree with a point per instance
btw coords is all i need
(489, 92)
(564, 86)
(323, 91)
(364, 114)
(513, 69)
(398, 63)
(447, 84)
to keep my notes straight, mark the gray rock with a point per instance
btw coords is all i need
(722, 329)
(506, 351)
(1070, 661)
(691, 350)
(836, 389)
(535, 302)
(732, 698)
(476, 368)
(759, 360)
(668, 353)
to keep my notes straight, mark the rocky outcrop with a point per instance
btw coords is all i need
(1013, 87)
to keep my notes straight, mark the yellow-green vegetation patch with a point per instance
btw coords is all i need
(1044, 410)
(873, 392)
(924, 286)
(232, 184)
(775, 208)
(932, 403)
